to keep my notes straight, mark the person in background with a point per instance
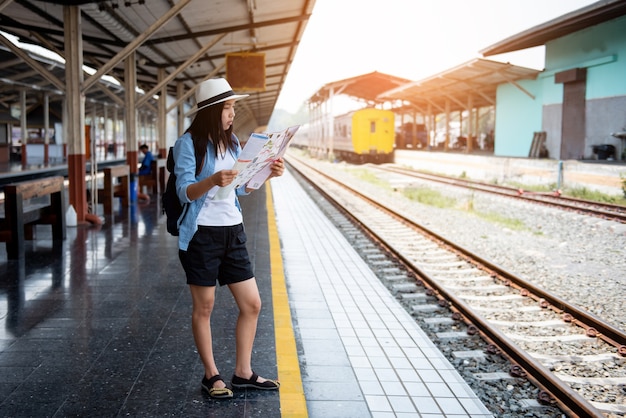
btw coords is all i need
(144, 171)
(147, 160)
(212, 239)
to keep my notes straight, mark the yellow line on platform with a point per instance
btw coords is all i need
(292, 400)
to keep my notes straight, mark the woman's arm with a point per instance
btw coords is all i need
(188, 188)
(221, 178)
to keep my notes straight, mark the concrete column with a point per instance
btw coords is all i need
(430, 126)
(470, 126)
(180, 92)
(162, 116)
(130, 75)
(331, 123)
(105, 130)
(446, 144)
(573, 123)
(23, 126)
(115, 131)
(76, 161)
(46, 128)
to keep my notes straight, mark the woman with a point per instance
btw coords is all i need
(212, 241)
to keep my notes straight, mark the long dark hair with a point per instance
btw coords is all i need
(207, 127)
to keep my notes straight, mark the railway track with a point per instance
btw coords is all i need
(555, 199)
(574, 357)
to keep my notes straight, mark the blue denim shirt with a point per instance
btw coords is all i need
(146, 164)
(185, 170)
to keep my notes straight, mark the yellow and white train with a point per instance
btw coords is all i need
(361, 136)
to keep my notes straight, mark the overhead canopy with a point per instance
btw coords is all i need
(477, 79)
(575, 21)
(365, 87)
(188, 39)
(36, 117)
(5, 117)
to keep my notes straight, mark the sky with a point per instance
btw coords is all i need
(412, 39)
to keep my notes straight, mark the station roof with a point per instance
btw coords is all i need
(478, 79)
(188, 39)
(575, 21)
(5, 117)
(365, 87)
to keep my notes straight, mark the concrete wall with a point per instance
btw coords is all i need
(518, 116)
(600, 49)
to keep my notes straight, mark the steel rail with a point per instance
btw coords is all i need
(567, 398)
(582, 318)
(598, 209)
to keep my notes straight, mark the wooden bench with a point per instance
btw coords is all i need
(30, 203)
(116, 184)
(538, 146)
(156, 180)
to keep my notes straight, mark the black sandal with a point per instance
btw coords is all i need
(241, 383)
(216, 393)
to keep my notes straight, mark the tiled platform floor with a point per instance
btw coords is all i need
(100, 326)
(362, 353)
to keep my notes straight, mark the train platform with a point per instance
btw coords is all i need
(100, 326)
(595, 175)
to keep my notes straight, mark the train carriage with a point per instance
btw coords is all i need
(365, 135)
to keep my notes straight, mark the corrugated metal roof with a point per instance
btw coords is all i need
(363, 87)
(271, 27)
(478, 79)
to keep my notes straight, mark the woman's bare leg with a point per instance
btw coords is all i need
(248, 300)
(203, 298)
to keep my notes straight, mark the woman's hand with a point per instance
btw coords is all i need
(221, 178)
(224, 177)
(277, 167)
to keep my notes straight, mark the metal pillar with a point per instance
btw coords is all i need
(46, 128)
(75, 110)
(23, 126)
(180, 92)
(130, 74)
(162, 116)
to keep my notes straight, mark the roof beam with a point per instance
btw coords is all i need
(111, 95)
(229, 29)
(124, 53)
(180, 69)
(435, 105)
(516, 84)
(474, 88)
(4, 3)
(191, 91)
(454, 99)
(34, 64)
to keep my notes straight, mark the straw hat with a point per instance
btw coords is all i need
(213, 91)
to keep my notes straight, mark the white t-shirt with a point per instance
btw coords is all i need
(221, 212)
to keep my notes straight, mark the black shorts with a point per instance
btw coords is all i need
(217, 253)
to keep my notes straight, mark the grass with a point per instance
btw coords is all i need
(595, 196)
(429, 197)
(510, 223)
(434, 198)
(366, 175)
(578, 193)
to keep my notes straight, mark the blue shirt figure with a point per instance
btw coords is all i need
(147, 160)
